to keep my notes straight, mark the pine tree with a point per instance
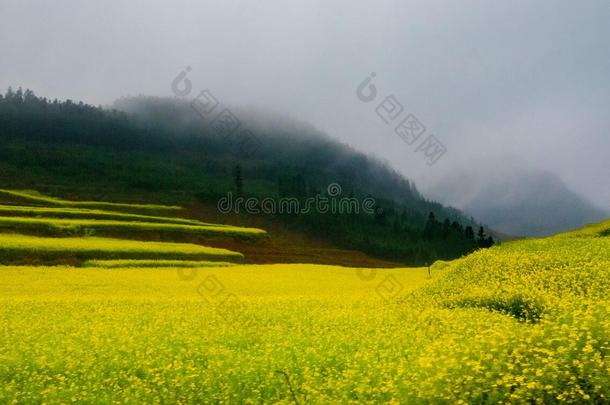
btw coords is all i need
(431, 230)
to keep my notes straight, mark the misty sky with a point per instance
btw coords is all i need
(521, 81)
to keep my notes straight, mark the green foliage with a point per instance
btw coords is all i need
(518, 306)
(20, 247)
(85, 227)
(154, 151)
(35, 197)
(83, 213)
(239, 181)
(130, 264)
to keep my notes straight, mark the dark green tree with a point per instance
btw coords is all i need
(469, 232)
(238, 179)
(432, 228)
(484, 241)
(446, 228)
(481, 234)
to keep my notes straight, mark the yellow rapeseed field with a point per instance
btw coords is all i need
(527, 322)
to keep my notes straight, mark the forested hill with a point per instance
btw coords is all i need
(273, 139)
(164, 145)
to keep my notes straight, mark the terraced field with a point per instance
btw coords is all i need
(35, 198)
(151, 264)
(12, 247)
(83, 213)
(27, 230)
(524, 322)
(83, 226)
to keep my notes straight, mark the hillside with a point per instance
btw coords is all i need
(118, 298)
(303, 203)
(161, 152)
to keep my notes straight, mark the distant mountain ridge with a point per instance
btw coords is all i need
(519, 202)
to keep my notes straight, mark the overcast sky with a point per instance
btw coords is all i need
(518, 80)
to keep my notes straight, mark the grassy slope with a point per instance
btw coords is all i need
(62, 226)
(150, 264)
(76, 171)
(83, 213)
(591, 230)
(284, 245)
(37, 198)
(523, 322)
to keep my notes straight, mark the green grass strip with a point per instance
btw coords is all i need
(79, 226)
(34, 196)
(21, 246)
(116, 264)
(83, 213)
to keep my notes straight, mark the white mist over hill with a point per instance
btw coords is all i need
(517, 200)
